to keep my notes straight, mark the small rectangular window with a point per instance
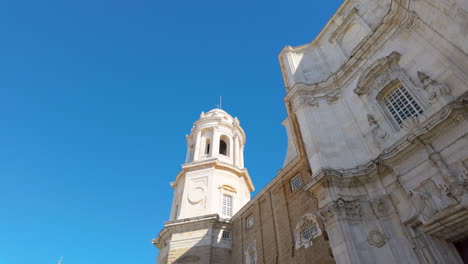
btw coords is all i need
(227, 205)
(296, 183)
(250, 221)
(226, 235)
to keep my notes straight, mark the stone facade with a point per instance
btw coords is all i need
(376, 169)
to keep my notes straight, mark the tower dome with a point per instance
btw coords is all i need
(216, 135)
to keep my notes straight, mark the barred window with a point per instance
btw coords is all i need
(401, 104)
(296, 183)
(309, 229)
(226, 235)
(252, 257)
(227, 205)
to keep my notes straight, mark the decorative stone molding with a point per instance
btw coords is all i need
(310, 101)
(409, 20)
(382, 206)
(236, 121)
(410, 123)
(376, 238)
(333, 97)
(434, 90)
(251, 249)
(377, 73)
(340, 210)
(298, 232)
(352, 19)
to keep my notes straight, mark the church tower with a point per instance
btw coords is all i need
(211, 187)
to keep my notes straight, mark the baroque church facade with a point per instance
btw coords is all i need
(376, 169)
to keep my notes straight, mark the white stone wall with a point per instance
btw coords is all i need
(387, 194)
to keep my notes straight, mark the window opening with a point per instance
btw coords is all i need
(252, 257)
(296, 183)
(222, 147)
(226, 235)
(309, 229)
(207, 149)
(401, 104)
(227, 205)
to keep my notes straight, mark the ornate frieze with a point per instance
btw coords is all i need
(340, 210)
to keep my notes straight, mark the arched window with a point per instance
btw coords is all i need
(399, 103)
(306, 230)
(222, 147)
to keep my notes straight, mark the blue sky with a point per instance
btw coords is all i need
(96, 98)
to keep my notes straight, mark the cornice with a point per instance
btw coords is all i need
(216, 164)
(189, 224)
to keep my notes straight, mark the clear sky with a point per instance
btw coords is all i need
(96, 98)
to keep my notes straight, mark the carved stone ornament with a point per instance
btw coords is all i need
(379, 135)
(333, 97)
(340, 209)
(376, 238)
(236, 121)
(188, 258)
(377, 73)
(310, 101)
(382, 207)
(434, 90)
(196, 195)
(410, 123)
(202, 115)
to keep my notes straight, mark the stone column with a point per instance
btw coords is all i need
(231, 149)
(241, 154)
(196, 152)
(215, 150)
(236, 151)
(189, 146)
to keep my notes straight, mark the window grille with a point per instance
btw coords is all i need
(309, 229)
(252, 257)
(226, 235)
(401, 104)
(250, 222)
(296, 183)
(227, 205)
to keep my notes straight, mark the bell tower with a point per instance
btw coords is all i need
(211, 187)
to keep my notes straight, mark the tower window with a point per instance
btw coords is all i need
(207, 148)
(227, 205)
(222, 147)
(401, 104)
(296, 183)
